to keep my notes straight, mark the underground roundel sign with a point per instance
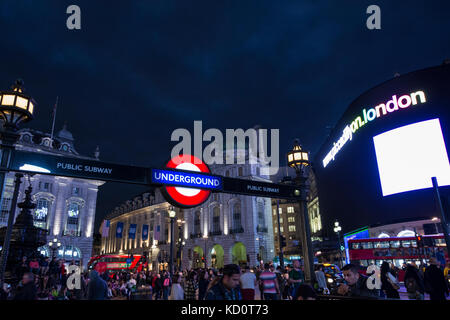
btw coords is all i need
(181, 196)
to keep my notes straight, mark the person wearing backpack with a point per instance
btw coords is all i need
(414, 283)
(166, 285)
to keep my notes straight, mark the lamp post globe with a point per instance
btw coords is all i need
(298, 159)
(15, 106)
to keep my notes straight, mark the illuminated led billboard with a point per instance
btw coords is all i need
(376, 164)
(409, 156)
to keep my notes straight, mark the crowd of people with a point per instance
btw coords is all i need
(47, 280)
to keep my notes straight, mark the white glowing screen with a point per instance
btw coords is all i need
(409, 156)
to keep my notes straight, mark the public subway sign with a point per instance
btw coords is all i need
(192, 188)
(368, 115)
(185, 182)
(79, 168)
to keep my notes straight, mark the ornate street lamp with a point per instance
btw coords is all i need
(337, 229)
(298, 159)
(15, 107)
(172, 215)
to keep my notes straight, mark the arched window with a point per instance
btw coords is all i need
(383, 235)
(406, 233)
(216, 220)
(237, 223)
(73, 214)
(41, 212)
(197, 222)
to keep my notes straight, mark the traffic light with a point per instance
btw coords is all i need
(419, 241)
(282, 241)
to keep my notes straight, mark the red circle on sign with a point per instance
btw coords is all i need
(179, 198)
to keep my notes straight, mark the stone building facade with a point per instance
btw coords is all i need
(65, 206)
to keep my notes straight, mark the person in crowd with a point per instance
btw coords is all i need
(23, 268)
(27, 288)
(191, 286)
(435, 282)
(389, 284)
(176, 292)
(53, 267)
(97, 288)
(5, 292)
(157, 286)
(203, 283)
(446, 270)
(356, 284)
(270, 284)
(34, 266)
(45, 266)
(285, 289)
(321, 280)
(414, 283)
(305, 292)
(248, 283)
(296, 277)
(224, 287)
(166, 285)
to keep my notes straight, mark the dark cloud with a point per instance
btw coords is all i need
(137, 70)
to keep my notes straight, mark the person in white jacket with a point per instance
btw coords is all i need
(177, 292)
(321, 281)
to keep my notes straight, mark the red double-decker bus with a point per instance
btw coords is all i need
(397, 250)
(116, 263)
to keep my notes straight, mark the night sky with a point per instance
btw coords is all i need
(137, 70)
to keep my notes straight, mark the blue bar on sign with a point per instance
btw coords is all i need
(186, 179)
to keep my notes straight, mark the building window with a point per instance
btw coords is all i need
(6, 200)
(73, 214)
(290, 209)
(291, 228)
(280, 210)
(291, 219)
(227, 174)
(216, 220)
(281, 229)
(46, 186)
(281, 220)
(41, 212)
(76, 191)
(274, 212)
(240, 172)
(236, 216)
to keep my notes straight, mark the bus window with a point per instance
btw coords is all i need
(414, 243)
(356, 245)
(384, 244)
(366, 245)
(395, 244)
(439, 242)
(364, 263)
(406, 243)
